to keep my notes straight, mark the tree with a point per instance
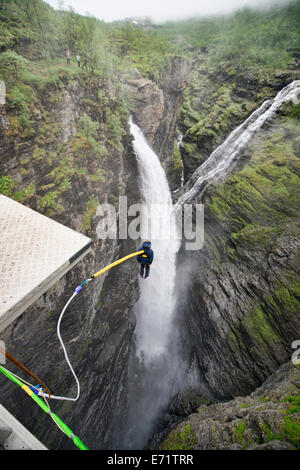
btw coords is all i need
(42, 20)
(11, 63)
(91, 41)
(71, 29)
(87, 126)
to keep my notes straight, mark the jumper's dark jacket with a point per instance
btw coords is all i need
(147, 257)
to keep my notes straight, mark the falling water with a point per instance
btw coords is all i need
(155, 366)
(225, 156)
(155, 306)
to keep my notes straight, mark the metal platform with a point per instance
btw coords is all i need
(35, 252)
(14, 436)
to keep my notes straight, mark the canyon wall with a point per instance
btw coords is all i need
(58, 165)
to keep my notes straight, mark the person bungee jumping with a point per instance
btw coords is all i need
(145, 259)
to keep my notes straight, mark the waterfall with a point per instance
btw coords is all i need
(155, 368)
(225, 156)
(179, 144)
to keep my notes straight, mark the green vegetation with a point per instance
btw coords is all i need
(49, 200)
(258, 326)
(88, 127)
(289, 431)
(149, 51)
(184, 440)
(91, 208)
(107, 47)
(286, 297)
(235, 58)
(176, 160)
(114, 128)
(98, 176)
(239, 430)
(252, 38)
(25, 193)
(295, 403)
(252, 199)
(11, 64)
(6, 185)
(258, 209)
(34, 38)
(85, 143)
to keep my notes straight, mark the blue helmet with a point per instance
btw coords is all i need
(146, 244)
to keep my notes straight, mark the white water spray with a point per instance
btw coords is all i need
(225, 156)
(155, 366)
(156, 304)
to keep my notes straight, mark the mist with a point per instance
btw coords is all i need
(160, 12)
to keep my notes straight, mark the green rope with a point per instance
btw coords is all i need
(46, 409)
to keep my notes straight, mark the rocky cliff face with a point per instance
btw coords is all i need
(239, 295)
(57, 168)
(217, 99)
(65, 165)
(155, 110)
(266, 419)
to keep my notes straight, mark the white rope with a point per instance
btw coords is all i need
(22, 380)
(66, 357)
(51, 412)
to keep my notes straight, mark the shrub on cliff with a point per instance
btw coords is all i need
(87, 126)
(11, 64)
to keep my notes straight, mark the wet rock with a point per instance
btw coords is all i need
(253, 422)
(156, 108)
(238, 306)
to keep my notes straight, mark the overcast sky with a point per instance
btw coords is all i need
(158, 10)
